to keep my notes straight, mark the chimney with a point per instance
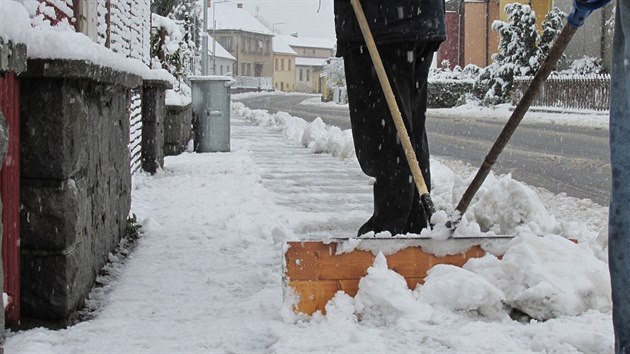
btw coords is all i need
(239, 5)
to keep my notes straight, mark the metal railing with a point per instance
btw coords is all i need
(251, 82)
(589, 92)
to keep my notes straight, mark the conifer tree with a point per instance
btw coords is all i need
(521, 50)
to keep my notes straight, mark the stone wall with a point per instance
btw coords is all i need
(177, 129)
(76, 179)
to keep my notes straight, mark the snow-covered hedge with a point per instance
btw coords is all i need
(448, 93)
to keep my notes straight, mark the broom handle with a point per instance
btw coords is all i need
(390, 98)
(547, 66)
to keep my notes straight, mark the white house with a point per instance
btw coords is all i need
(220, 61)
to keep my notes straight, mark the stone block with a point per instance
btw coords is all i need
(153, 112)
(177, 129)
(12, 57)
(55, 285)
(55, 214)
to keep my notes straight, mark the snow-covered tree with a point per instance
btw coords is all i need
(521, 50)
(163, 7)
(189, 13)
(334, 73)
(552, 25)
(177, 50)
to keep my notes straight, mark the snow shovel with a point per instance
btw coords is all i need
(410, 154)
(581, 10)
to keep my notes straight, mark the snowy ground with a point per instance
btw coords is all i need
(206, 275)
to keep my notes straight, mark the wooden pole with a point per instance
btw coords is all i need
(519, 112)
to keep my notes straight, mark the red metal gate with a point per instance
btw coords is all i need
(10, 192)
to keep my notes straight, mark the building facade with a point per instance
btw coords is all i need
(221, 63)
(284, 73)
(245, 38)
(311, 55)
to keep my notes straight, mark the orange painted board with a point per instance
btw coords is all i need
(316, 273)
(318, 261)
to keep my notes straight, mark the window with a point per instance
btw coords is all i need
(244, 69)
(308, 74)
(86, 18)
(282, 64)
(313, 51)
(301, 75)
(289, 68)
(276, 64)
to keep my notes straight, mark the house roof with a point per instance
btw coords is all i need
(308, 42)
(280, 46)
(221, 52)
(229, 17)
(301, 61)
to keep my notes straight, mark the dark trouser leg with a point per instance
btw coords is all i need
(375, 138)
(619, 218)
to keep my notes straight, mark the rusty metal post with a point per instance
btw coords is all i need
(10, 192)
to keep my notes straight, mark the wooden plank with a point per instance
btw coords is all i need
(318, 261)
(316, 273)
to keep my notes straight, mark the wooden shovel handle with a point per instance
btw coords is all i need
(390, 98)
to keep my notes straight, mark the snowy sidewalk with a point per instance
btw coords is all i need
(206, 275)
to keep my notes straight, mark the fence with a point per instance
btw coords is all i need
(129, 34)
(255, 83)
(589, 92)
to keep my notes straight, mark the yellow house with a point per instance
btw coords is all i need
(308, 78)
(540, 7)
(283, 65)
(312, 54)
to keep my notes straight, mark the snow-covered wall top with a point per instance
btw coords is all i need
(229, 17)
(24, 23)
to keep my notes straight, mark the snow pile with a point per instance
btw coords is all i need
(174, 98)
(541, 274)
(547, 277)
(316, 136)
(14, 22)
(383, 297)
(543, 277)
(508, 204)
(458, 289)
